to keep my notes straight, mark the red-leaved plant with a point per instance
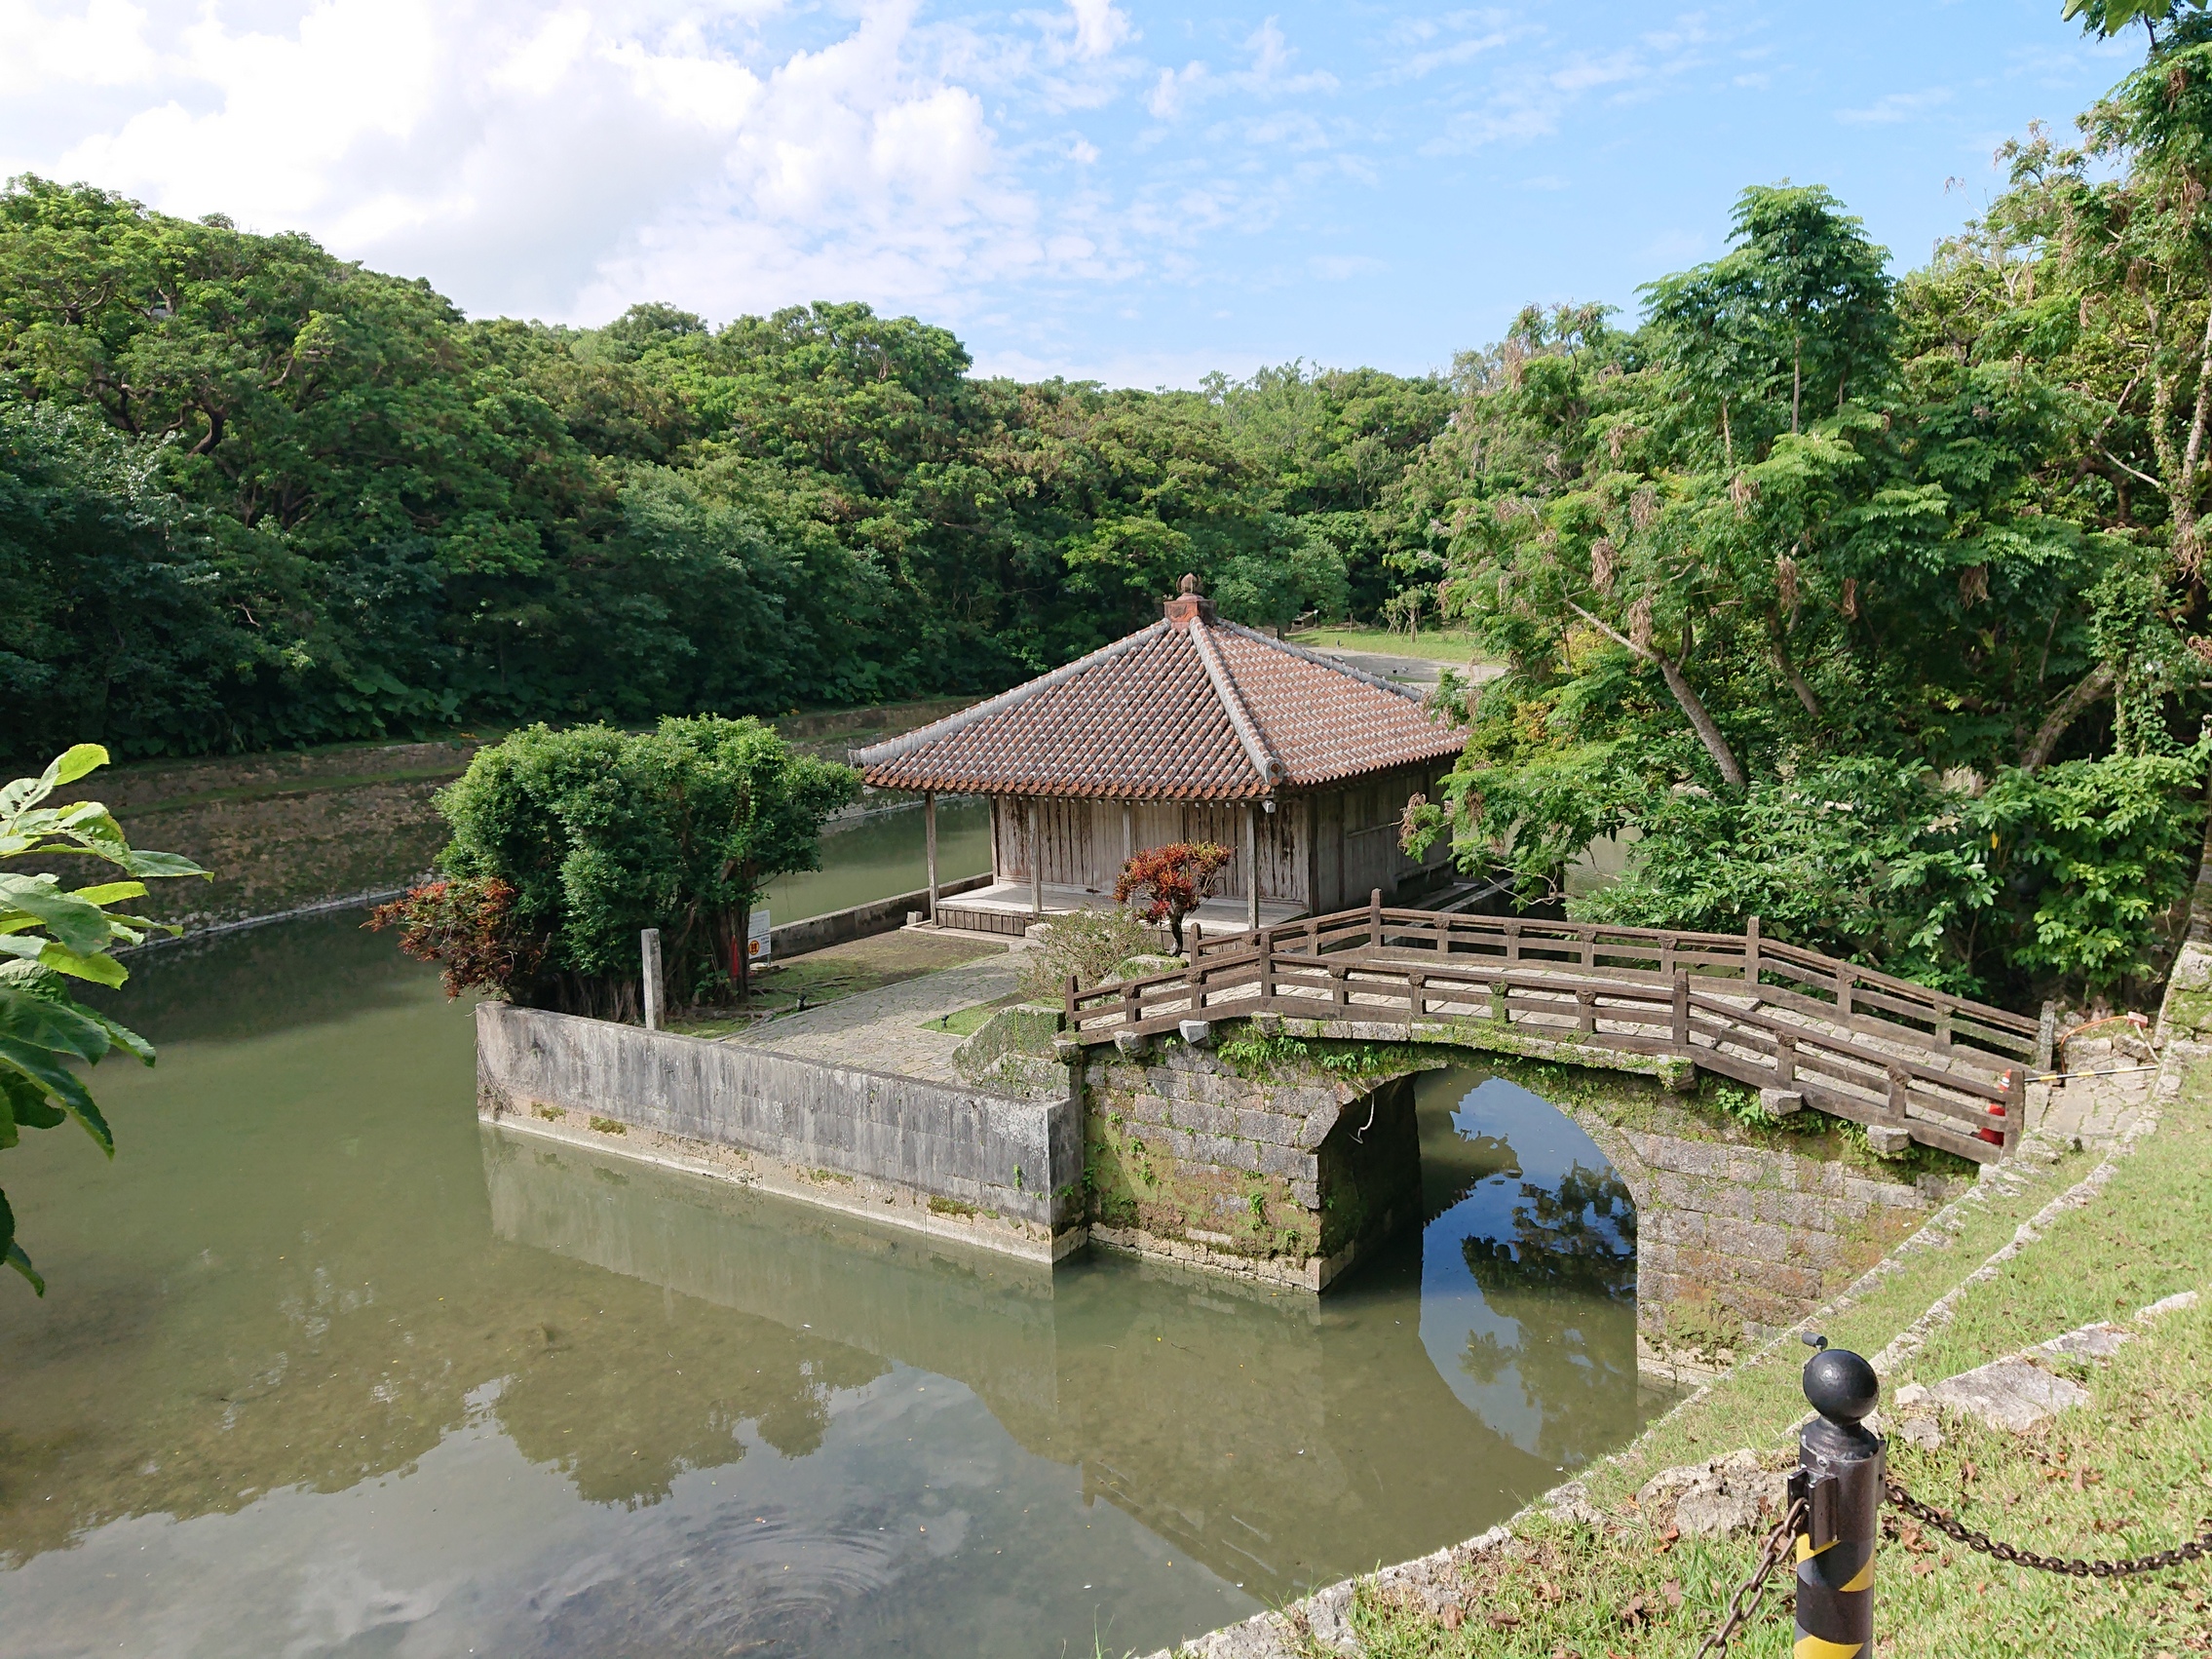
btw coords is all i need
(469, 929)
(1173, 879)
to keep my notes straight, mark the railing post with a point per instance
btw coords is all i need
(1681, 1030)
(1589, 948)
(1512, 942)
(1838, 1478)
(1666, 955)
(1375, 919)
(1943, 1015)
(1416, 1000)
(1500, 1002)
(1267, 964)
(1899, 1085)
(2046, 1038)
(1845, 979)
(1129, 1003)
(1752, 953)
(2015, 1108)
(1586, 1011)
(1067, 1002)
(1785, 1059)
(1340, 990)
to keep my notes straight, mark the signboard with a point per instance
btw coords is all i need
(757, 937)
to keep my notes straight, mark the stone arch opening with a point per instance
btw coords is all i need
(1524, 1213)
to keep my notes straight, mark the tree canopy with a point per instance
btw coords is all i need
(567, 843)
(1868, 601)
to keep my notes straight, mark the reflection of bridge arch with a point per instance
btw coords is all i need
(1529, 1264)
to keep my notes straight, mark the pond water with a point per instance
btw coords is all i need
(872, 858)
(326, 1367)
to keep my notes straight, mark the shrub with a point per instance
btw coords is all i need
(1086, 943)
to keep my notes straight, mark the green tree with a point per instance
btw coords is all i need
(567, 843)
(50, 935)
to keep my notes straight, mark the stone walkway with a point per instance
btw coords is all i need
(882, 1030)
(2108, 1087)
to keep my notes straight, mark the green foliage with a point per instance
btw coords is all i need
(1084, 944)
(49, 935)
(251, 495)
(1250, 1054)
(1867, 608)
(567, 843)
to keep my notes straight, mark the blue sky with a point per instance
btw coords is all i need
(1099, 188)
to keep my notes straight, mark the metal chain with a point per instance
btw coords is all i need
(2197, 1549)
(1771, 1557)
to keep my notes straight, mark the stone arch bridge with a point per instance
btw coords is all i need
(1252, 1111)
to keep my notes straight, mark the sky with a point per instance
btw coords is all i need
(1103, 189)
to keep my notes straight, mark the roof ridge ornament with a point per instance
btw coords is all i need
(1189, 603)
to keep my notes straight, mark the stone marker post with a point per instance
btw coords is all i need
(649, 947)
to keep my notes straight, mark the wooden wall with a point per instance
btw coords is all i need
(1322, 850)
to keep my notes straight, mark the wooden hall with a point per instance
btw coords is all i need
(1192, 729)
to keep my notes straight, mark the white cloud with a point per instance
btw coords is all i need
(1897, 107)
(1341, 267)
(103, 45)
(564, 162)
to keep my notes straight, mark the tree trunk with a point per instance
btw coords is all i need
(1797, 380)
(2096, 684)
(1701, 722)
(1788, 665)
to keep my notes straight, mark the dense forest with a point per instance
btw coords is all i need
(1870, 603)
(253, 496)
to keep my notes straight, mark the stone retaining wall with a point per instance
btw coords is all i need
(943, 1158)
(1736, 1236)
(1185, 1159)
(861, 921)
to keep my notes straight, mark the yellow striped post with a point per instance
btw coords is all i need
(1838, 1475)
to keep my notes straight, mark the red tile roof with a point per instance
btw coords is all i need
(1189, 709)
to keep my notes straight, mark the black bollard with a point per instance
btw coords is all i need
(1838, 1475)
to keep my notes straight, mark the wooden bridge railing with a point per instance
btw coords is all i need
(1858, 1044)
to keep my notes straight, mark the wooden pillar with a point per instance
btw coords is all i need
(1036, 867)
(929, 840)
(1752, 953)
(1128, 832)
(1253, 866)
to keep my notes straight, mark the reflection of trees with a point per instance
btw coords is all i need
(623, 1411)
(1567, 1276)
(1455, 1164)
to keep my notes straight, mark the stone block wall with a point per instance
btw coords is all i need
(1273, 1180)
(1734, 1234)
(1286, 1179)
(944, 1158)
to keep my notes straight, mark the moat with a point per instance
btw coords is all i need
(325, 1367)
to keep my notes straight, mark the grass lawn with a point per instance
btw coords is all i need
(826, 976)
(1437, 645)
(2130, 1472)
(967, 1022)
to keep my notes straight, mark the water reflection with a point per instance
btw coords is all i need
(328, 1368)
(886, 853)
(1528, 1289)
